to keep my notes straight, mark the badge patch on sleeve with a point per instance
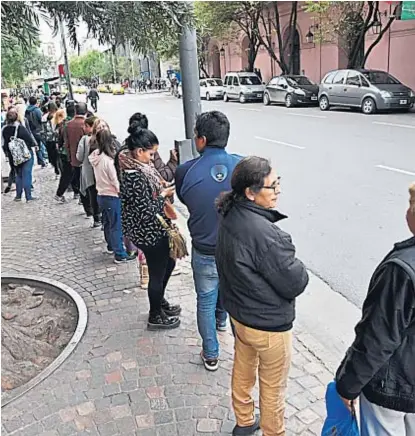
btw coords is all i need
(219, 173)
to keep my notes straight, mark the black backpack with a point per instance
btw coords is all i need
(48, 134)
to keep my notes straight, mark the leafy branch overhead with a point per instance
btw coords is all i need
(112, 22)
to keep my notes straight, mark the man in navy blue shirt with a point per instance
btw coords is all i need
(199, 183)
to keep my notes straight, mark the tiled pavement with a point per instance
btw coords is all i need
(123, 379)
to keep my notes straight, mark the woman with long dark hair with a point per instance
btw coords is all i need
(108, 187)
(259, 279)
(143, 198)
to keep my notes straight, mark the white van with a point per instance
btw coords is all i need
(243, 86)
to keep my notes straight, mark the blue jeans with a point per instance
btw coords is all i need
(111, 217)
(41, 152)
(209, 308)
(24, 178)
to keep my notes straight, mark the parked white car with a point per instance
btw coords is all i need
(211, 88)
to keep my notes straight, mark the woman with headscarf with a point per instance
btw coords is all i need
(143, 198)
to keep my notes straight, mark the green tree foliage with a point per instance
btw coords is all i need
(18, 62)
(347, 23)
(168, 49)
(225, 20)
(88, 66)
(95, 65)
(111, 22)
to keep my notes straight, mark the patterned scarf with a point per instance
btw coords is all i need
(127, 162)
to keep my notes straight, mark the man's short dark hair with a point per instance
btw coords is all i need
(81, 108)
(32, 100)
(70, 110)
(215, 127)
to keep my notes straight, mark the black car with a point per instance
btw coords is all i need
(291, 90)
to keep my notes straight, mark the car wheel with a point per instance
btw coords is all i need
(242, 98)
(207, 96)
(289, 100)
(267, 100)
(225, 97)
(324, 103)
(368, 106)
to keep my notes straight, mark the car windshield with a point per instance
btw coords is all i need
(380, 78)
(249, 80)
(214, 82)
(299, 80)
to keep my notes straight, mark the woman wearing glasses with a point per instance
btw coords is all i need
(259, 279)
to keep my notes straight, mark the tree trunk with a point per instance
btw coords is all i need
(202, 67)
(293, 28)
(380, 36)
(281, 46)
(359, 41)
(251, 56)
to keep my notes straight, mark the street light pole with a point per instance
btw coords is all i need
(65, 60)
(190, 82)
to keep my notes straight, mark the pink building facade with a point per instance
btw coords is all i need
(395, 52)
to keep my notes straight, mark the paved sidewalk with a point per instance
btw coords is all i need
(123, 379)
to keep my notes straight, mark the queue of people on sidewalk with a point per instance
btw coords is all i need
(243, 265)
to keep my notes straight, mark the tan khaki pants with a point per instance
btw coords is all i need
(270, 354)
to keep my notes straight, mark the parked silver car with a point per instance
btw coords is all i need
(243, 86)
(371, 90)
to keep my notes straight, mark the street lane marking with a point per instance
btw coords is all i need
(280, 142)
(249, 109)
(407, 126)
(396, 170)
(307, 115)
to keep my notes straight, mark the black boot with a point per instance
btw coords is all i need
(170, 309)
(246, 431)
(162, 322)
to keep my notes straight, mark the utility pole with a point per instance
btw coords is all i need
(190, 82)
(65, 60)
(113, 65)
(132, 64)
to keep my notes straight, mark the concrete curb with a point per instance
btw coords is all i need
(325, 320)
(66, 292)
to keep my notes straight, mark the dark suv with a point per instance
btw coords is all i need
(370, 90)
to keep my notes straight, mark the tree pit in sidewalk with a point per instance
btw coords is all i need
(37, 325)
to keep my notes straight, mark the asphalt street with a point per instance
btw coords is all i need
(344, 175)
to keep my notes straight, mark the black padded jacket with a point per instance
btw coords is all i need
(259, 274)
(381, 361)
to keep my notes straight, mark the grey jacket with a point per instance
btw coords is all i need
(87, 172)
